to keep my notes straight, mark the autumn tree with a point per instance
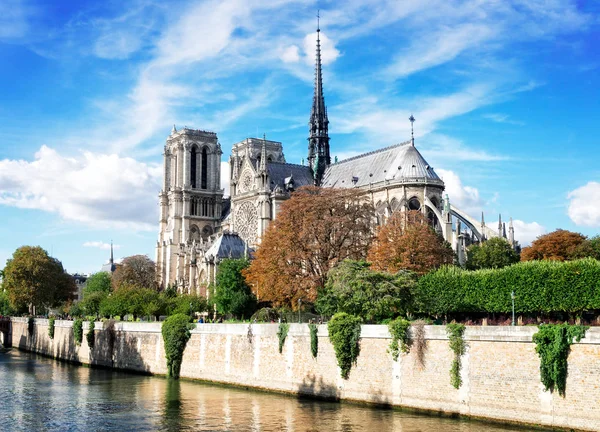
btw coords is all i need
(315, 229)
(559, 245)
(33, 279)
(493, 253)
(407, 242)
(135, 271)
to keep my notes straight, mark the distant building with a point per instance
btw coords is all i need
(110, 266)
(80, 283)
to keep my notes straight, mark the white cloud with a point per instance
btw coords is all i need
(99, 190)
(465, 198)
(290, 54)
(100, 245)
(329, 53)
(444, 148)
(14, 19)
(225, 176)
(584, 205)
(502, 118)
(526, 232)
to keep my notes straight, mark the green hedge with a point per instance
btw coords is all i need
(539, 286)
(176, 333)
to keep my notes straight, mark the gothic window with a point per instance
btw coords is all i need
(204, 175)
(246, 222)
(194, 233)
(206, 231)
(193, 167)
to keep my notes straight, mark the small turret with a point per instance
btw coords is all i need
(511, 233)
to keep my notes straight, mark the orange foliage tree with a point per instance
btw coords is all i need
(559, 245)
(407, 242)
(315, 229)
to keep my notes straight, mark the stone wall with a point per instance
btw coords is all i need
(500, 370)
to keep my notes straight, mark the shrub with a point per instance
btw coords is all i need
(314, 340)
(457, 346)
(30, 325)
(91, 334)
(553, 342)
(399, 330)
(176, 333)
(78, 331)
(51, 327)
(282, 334)
(344, 333)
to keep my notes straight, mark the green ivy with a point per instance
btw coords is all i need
(30, 325)
(344, 334)
(282, 334)
(457, 346)
(91, 334)
(399, 330)
(51, 327)
(314, 340)
(553, 342)
(78, 331)
(176, 333)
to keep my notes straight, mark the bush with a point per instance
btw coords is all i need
(344, 334)
(539, 286)
(352, 287)
(30, 325)
(91, 334)
(51, 327)
(282, 334)
(314, 339)
(399, 330)
(78, 331)
(553, 344)
(458, 347)
(176, 333)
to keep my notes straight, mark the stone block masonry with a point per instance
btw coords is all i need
(500, 370)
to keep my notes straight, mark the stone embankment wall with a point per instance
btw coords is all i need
(500, 370)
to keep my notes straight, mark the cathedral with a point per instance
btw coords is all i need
(199, 227)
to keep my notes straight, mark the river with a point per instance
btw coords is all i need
(40, 394)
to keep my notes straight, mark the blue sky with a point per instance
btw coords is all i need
(506, 95)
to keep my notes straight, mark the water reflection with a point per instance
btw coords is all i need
(41, 394)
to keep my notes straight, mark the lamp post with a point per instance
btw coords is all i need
(299, 306)
(512, 296)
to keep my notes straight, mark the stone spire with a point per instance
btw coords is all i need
(112, 260)
(412, 131)
(235, 167)
(318, 140)
(263, 155)
(174, 130)
(503, 230)
(499, 225)
(511, 233)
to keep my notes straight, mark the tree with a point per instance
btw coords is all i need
(559, 245)
(5, 307)
(590, 248)
(407, 242)
(315, 229)
(34, 279)
(98, 282)
(135, 271)
(232, 293)
(493, 253)
(354, 288)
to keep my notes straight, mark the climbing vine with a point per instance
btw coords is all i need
(30, 324)
(91, 334)
(78, 331)
(399, 329)
(458, 346)
(51, 327)
(344, 333)
(314, 340)
(176, 333)
(282, 334)
(553, 342)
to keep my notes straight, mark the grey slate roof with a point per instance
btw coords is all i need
(400, 162)
(227, 245)
(278, 172)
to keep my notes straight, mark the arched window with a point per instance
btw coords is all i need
(193, 163)
(204, 176)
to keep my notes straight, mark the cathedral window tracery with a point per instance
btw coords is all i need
(204, 173)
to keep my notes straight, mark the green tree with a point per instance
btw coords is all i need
(590, 248)
(98, 282)
(352, 287)
(90, 305)
(493, 253)
(34, 279)
(232, 293)
(5, 307)
(185, 304)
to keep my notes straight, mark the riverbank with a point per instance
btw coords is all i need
(500, 370)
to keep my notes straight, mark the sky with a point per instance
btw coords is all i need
(506, 96)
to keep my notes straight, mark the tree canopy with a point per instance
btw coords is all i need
(354, 288)
(559, 245)
(407, 242)
(315, 229)
(232, 293)
(33, 278)
(493, 253)
(135, 271)
(98, 282)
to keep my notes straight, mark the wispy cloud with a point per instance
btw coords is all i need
(101, 245)
(502, 118)
(15, 18)
(583, 205)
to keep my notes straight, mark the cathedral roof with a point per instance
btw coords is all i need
(398, 163)
(279, 172)
(227, 245)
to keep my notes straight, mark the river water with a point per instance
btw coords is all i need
(40, 394)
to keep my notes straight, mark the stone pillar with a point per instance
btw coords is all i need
(180, 157)
(186, 166)
(167, 161)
